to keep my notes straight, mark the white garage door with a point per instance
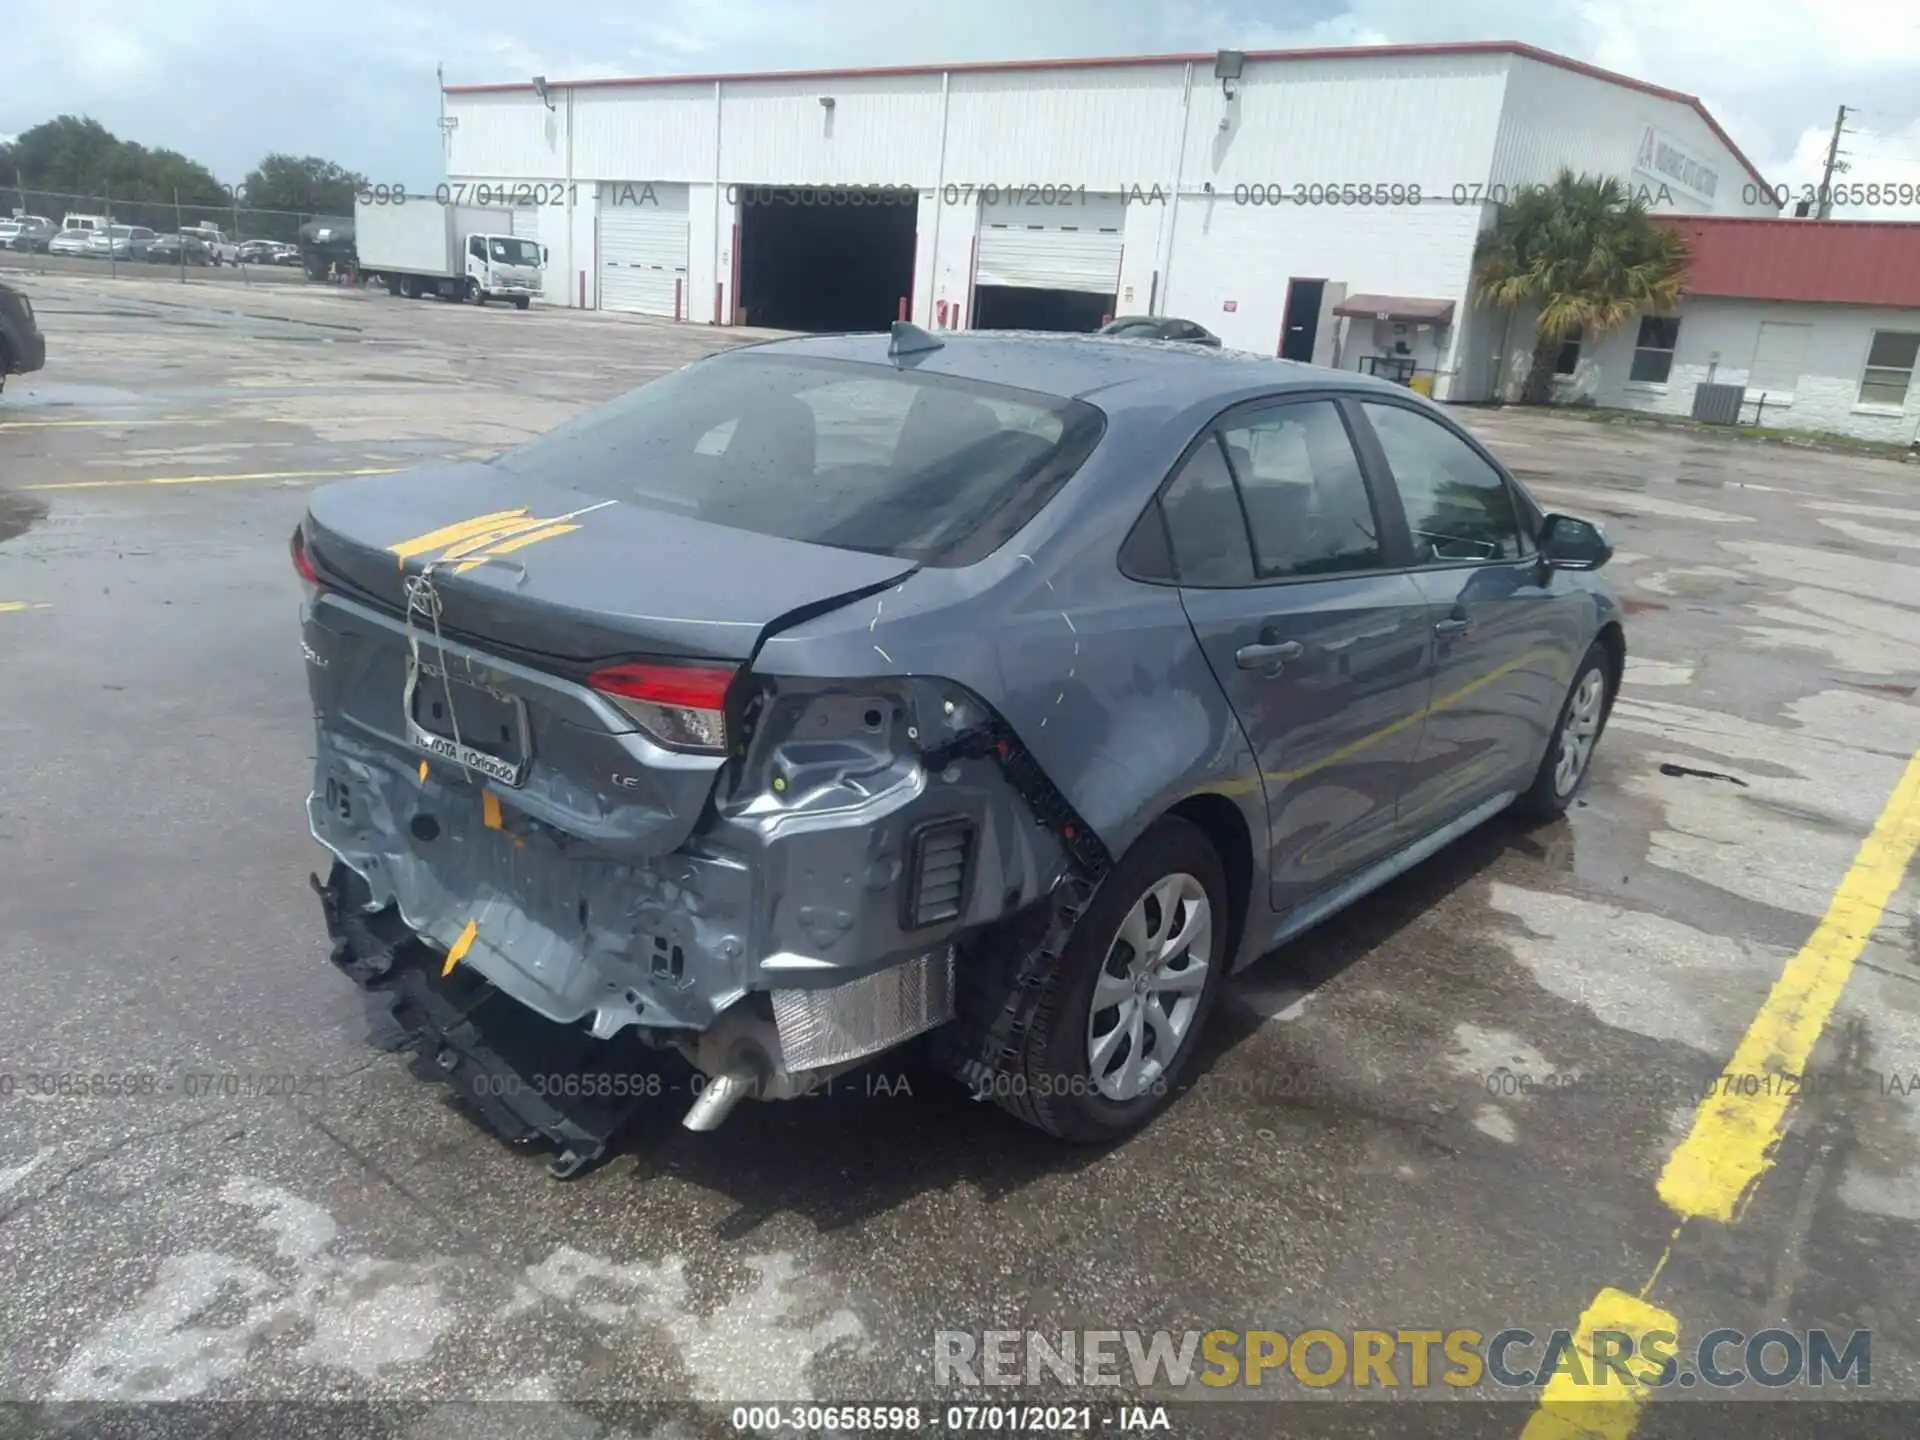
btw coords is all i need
(1031, 243)
(643, 247)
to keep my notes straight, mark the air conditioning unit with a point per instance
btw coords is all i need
(1718, 404)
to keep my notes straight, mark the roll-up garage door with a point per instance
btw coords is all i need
(643, 247)
(1070, 245)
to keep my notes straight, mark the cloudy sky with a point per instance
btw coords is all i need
(226, 82)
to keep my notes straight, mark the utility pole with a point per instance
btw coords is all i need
(1824, 198)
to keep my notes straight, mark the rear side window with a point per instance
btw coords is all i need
(1205, 524)
(1306, 501)
(863, 457)
(1458, 506)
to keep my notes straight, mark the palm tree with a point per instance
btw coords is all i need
(1586, 253)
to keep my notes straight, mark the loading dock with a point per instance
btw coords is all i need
(824, 259)
(1048, 259)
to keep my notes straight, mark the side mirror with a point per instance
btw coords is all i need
(1569, 543)
(545, 254)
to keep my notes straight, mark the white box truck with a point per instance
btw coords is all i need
(417, 246)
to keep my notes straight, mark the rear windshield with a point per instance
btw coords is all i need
(864, 457)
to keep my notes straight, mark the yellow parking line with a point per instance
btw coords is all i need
(8, 607)
(1570, 1408)
(1712, 1172)
(210, 479)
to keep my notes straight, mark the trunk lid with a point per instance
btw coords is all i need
(535, 586)
(557, 572)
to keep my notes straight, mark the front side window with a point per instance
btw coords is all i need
(1890, 366)
(1459, 508)
(921, 467)
(1653, 349)
(1305, 499)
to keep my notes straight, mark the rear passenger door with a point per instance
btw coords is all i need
(1504, 633)
(1320, 641)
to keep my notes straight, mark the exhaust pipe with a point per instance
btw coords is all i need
(717, 1100)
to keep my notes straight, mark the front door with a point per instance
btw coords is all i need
(1317, 636)
(1504, 634)
(1302, 322)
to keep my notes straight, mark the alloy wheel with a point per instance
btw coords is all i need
(1149, 986)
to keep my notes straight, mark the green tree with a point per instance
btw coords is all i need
(1587, 254)
(76, 158)
(306, 184)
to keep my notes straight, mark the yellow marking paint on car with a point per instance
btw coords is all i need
(490, 811)
(423, 772)
(452, 534)
(1737, 1127)
(474, 542)
(460, 948)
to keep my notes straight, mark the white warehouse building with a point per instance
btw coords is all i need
(1321, 204)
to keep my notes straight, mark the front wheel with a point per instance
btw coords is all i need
(1570, 752)
(1109, 1033)
(475, 293)
(521, 302)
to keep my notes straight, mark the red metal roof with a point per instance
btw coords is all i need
(1833, 262)
(1335, 52)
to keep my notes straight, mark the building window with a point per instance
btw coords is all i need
(1653, 350)
(1568, 360)
(1779, 357)
(1890, 363)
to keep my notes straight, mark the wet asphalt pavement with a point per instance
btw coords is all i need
(1379, 1139)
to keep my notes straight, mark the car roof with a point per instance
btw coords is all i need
(1116, 369)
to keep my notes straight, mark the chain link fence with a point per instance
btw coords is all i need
(162, 214)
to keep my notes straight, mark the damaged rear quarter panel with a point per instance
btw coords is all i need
(1100, 676)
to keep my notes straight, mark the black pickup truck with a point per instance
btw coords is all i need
(22, 346)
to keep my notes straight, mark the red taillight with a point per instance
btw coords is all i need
(298, 545)
(682, 706)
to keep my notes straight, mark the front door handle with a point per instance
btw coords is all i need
(1255, 657)
(1453, 625)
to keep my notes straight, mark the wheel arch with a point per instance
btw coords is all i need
(1612, 638)
(1225, 826)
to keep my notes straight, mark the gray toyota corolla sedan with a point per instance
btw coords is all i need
(997, 692)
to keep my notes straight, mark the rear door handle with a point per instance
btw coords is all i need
(1454, 625)
(1255, 657)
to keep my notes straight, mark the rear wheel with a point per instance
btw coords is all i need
(408, 290)
(1109, 1033)
(1570, 752)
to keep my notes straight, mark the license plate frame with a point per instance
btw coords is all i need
(508, 771)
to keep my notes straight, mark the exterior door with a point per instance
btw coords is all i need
(1319, 639)
(1302, 322)
(1503, 631)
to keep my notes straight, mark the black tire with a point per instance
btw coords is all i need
(1547, 798)
(393, 285)
(521, 302)
(475, 293)
(1050, 1082)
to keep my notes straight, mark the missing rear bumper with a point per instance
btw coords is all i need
(528, 1080)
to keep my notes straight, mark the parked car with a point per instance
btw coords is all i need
(27, 232)
(220, 250)
(70, 242)
(1016, 721)
(119, 242)
(75, 220)
(267, 252)
(22, 347)
(172, 249)
(1159, 327)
